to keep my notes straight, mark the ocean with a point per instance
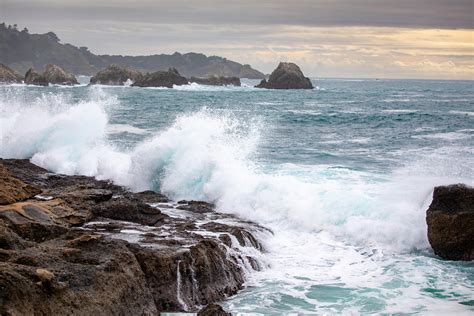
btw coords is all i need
(342, 174)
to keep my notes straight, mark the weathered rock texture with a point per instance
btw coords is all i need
(116, 76)
(286, 76)
(35, 78)
(56, 75)
(73, 245)
(162, 79)
(217, 81)
(52, 74)
(8, 75)
(213, 310)
(450, 220)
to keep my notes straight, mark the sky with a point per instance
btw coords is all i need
(327, 38)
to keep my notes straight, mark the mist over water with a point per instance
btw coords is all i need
(342, 174)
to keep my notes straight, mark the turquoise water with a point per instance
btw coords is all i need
(342, 174)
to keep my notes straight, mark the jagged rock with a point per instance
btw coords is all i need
(116, 76)
(286, 76)
(14, 190)
(217, 81)
(8, 75)
(56, 75)
(35, 78)
(213, 310)
(161, 79)
(450, 220)
(196, 206)
(89, 247)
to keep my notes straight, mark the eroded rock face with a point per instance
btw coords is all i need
(88, 247)
(35, 78)
(52, 74)
(450, 220)
(286, 76)
(8, 75)
(13, 190)
(213, 310)
(116, 76)
(56, 75)
(162, 79)
(217, 81)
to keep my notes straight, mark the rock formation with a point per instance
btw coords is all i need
(116, 76)
(450, 220)
(213, 310)
(56, 75)
(217, 81)
(76, 245)
(8, 75)
(286, 76)
(161, 79)
(35, 78)
(52, 74)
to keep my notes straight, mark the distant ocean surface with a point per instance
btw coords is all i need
(342, 174)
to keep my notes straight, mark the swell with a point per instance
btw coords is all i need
(208, 156)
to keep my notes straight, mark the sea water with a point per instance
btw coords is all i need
(342, 174)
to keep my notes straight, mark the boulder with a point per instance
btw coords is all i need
(113, 75)
(286, 76)
(162, 79)
(8, 75)
(450, 220)
(35, 78)
(217, 81)
(213, 310)
(56, 75)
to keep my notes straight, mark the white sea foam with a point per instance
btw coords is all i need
(206, 156)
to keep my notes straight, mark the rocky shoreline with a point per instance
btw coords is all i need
(77, 245)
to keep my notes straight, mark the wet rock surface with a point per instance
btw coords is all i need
(161, 79)
(217, 81)
(76, 245)
(116, 76)
(450, 220)
(8, 75)
(286, 76)
(213, 310)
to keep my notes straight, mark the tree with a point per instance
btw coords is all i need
(25, 30)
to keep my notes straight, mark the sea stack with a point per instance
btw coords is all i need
(286, 76)
(8, 75)
(114, 75)
(450, 220)
(52, 74)
(161, 79)
(56, 75)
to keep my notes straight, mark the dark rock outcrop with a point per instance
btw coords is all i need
(213, 310)
(52, 74)
(56, 75)
(89, 247)
(8, 75)
(161, 79)
(115, 76)
(286, 76)
(35, 78)
(450, 220)
(217, 81)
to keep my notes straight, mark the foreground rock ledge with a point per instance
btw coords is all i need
(450, 220)
(286, 76)
(76, 245)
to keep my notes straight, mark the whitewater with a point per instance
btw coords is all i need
(342, 174)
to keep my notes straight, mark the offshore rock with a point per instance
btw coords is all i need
(8, 75)
(116, 76)
(450, 220)
(88, 247)
(286, 76)
(56, 75)
(161, 79)
(35, 78)
(217, 81)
